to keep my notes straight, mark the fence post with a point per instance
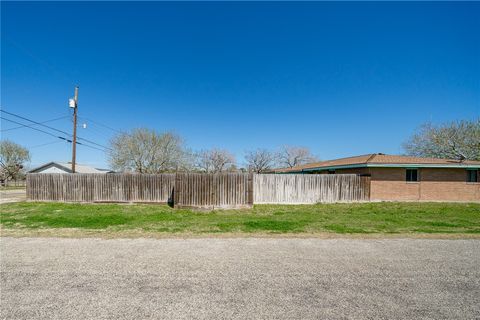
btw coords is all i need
(249, 189)
(29, 187)
(176, 190)
(368, 184)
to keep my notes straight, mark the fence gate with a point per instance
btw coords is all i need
(213, 191)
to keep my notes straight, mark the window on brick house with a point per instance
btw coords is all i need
(472, 175)
(411, 175)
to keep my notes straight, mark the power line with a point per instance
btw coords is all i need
(31, 127)
(98, 144)
(36, 122)
(101, 124)
(96, 131)
(51, 128)
(43, 144)
(51, 134)
(23, 126)
(86, 145)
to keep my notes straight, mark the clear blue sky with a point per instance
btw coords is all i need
(340, 78)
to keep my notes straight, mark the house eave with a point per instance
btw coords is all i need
(392, 165)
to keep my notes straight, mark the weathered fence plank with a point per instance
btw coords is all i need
(210, 191)
(222, 190)
(310, 188)
(100, 187)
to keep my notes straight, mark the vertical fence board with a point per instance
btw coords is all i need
(310, 188)
(100, 187)
(221, 190)
(210, 191)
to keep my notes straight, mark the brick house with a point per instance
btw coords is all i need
(404, 178)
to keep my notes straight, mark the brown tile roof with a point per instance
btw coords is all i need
(378, 158)
(385, 158)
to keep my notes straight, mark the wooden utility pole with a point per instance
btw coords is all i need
(74, 143)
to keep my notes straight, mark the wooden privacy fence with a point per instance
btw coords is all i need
(310, 188)
(219, 190)
(94, 187)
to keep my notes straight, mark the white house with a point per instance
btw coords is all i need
(66, 167)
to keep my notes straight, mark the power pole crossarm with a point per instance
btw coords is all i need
(74, 105)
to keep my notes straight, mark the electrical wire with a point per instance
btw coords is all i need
(31, 127)
(23, 126)
(51, 128)
(99, 132)
(51, 134)
(101, 124)
(44, 144)
(36, 122)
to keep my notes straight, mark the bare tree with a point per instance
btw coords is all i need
(454, 140)
(215, 160)
(147, 151)
(292, 156)
(260, 160)
(12, 160)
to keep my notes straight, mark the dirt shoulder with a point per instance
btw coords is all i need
(132, 234)
(12, 195)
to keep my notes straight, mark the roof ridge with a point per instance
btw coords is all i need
(381, 159)
(361, 155)
(373, 155)
(419, 157)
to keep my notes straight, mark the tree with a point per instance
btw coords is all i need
(260, 160)
(12, 160)
(144, 150)
(454, 140)
(215, 160)
(292, 156)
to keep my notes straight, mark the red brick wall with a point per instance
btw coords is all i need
(447, 184)
(436, 184)
(390, 184)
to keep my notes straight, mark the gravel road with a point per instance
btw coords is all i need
(52, 278)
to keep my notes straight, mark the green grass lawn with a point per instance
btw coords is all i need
(361, 218)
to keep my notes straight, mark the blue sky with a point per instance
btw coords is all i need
(340, 78)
